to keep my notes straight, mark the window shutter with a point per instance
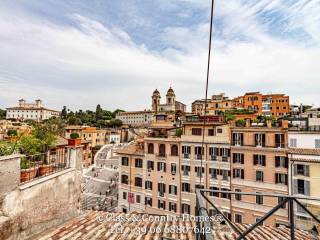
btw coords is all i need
(242, 173)
(277, 161)
(242, 158)
(234, 157)
(164, 165)
(286, 162)
(255, 159)
(286, 179)
(158, 166)
(295, 186)
(276, 178)
(295, 170)
(307, 170)
(234, 173)
(229, 152)
(307, 188)
(263, 160)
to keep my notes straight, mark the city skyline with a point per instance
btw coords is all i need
(101, 53)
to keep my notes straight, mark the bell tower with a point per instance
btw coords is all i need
(156, 100)
(171, 97)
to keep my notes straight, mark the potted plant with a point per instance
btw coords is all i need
(74, 140)
(28, 170)
(47, 166)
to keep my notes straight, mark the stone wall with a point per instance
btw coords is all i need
(31, 208)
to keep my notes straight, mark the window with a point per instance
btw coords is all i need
(150, 165)
(124, 179)
(199, 152)
(173, 189)
(259, 176)
(300, 169)
(238, 173)
(173, 168)
(124, 195)
(161, 189)
(219, 130)
(185, 208)
(185, 170)
(279, 140)
(138, 181)
(150, 148)
(148, 201)
(225, 195)
(293, 142)
(172, 207)
(213, 152)
(225, 174)
(199, 186)
(148, 185)
(199, 171)
(237, 139)
(238, 158)
(238, 197)
(161, 204)
(161, 167)
(317, 143)
(281, 178)
(196, 131)
(174, 150)
(260, 140)
(238, 218)
(138, 199)
(186, 150)
(259, 160)
(281, 161)
(138, 163)
(186, 187)
(214, 194)
(259, 199)
(211, 132)
(281, 199)
(213, 172)
(124, 161)
(162, 150)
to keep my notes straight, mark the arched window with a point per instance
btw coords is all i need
(174, 150)
(150, 148)
(162, 150)
(138, 181)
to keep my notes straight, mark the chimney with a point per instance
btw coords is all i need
(248, 122)
(284, 124)
(269, 123)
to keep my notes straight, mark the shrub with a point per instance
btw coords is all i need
(12, 133)
(74, 135)
(179, 132)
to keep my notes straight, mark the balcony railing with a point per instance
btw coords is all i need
(202, 213)
(41, 165)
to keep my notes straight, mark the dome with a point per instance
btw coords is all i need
(156, 92)
(170, 91)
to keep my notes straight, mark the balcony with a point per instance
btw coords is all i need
(199, 157)
(186, 155)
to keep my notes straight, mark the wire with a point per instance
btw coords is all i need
(206, 92)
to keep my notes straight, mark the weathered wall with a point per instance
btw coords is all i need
(41, 204)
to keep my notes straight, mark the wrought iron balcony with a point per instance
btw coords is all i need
(203, 213)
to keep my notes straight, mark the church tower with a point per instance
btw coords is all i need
(171, 97)
(156, 100)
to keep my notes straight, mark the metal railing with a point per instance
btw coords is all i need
(202, 213)
(43, 164)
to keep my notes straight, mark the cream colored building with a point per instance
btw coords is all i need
(304, 156)
(31, 111)
(136, 118)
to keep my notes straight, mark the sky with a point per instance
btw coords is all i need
(81, 53)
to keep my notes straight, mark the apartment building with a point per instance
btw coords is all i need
(304, 157)
(276, 105)
(174, 167)
(217, 104)
(259, 164)
(136, 118)
(31, 111)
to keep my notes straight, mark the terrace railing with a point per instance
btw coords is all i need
(203, 213)
(42, 164)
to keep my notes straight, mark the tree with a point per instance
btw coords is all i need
(99, 112)
(115, 112)
(12, 133)
(64, 112)
(2, 114)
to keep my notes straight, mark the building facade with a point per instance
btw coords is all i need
(136, 118)
(31, 111)
(217, 104)
(259, 165)
(171, 105)
(304, 156)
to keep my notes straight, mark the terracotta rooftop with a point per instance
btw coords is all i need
(305, 151)
(131, 150)
(97, 225)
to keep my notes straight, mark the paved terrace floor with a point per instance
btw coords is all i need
(97, 225)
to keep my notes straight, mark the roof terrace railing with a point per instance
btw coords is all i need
(202, 212)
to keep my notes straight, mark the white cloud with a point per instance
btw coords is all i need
(88, 63)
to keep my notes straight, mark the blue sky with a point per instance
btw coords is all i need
(115, 53)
